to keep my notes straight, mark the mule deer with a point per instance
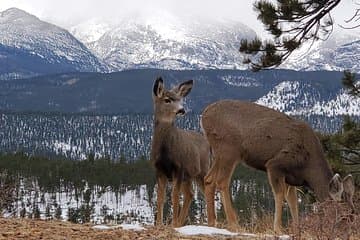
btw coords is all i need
(178, 155)
(265, 139)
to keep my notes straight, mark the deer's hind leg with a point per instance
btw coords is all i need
(161, 193)
(219, 177)
(209, 193)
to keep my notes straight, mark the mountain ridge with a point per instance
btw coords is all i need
(31, 47)
(292, 92)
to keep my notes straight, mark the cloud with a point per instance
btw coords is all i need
(67, 12)
(70, 12)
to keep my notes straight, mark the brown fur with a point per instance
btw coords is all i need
(265, 139)
(178, 155)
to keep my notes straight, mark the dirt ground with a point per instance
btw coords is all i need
(14, 228)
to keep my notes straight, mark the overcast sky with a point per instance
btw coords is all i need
(66, 13)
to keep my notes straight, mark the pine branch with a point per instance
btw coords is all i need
(306, 19)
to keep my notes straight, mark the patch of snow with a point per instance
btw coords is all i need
(203, 230)
(281, 237)
(192, 230)
(134, 227)
(103, 227)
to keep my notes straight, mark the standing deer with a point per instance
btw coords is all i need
(178, 155)
(265, 139)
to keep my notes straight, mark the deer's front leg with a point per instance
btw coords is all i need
(175, 198)
(161, 193)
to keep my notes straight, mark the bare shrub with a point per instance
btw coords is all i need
(330, 220)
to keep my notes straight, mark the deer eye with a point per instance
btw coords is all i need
(167, 100)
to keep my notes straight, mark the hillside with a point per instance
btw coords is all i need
(31, 47)
(295, 93)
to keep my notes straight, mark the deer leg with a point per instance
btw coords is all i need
(175, 198)
(209, 192)
(188, 196)
(278, 185)
(161, 192)
(224, 186)
(292, 200)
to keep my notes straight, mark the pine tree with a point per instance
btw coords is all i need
(58, 212)
(48, 212)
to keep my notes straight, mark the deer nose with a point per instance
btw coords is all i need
(180, 112)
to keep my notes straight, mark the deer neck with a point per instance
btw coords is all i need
(163, 136)
(163, 129)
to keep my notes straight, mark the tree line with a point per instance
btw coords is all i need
(250, 190)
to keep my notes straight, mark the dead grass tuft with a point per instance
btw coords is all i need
(330, 220)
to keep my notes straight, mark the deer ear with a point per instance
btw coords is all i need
(349, 189)
(336, 187)
(158, 88)
(185, 88)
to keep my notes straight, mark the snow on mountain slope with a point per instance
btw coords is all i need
(342, 104)
(298, 98)
(47, 48)
(341, 51)
(29, 46)
(90, 31)
(166, 41)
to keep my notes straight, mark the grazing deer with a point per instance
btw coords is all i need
(265, 139)
(178, 155)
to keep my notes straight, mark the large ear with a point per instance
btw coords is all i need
(184, 88)
(336, 187)
(349, 190)
(158, 88)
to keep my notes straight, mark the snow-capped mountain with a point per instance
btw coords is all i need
(165, 41)
(169, 42)
(29, 46)
(340, 52)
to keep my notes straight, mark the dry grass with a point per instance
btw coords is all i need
(330, 220)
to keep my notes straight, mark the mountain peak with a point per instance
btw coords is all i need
(29, 47)
(13, 14)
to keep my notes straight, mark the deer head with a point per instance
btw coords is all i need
(169, 103)
(342, 189)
